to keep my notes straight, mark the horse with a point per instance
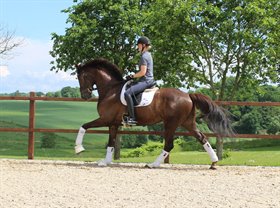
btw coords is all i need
(171, 106)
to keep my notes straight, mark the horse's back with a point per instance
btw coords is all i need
(173, 94)
(172, 101)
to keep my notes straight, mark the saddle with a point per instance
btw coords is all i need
(141, 99)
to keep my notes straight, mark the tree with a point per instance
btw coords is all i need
(274, 126)
(99, 28)
(195, 42)
(205, 42)
(249, 123)
(70, 92)
(7, 42)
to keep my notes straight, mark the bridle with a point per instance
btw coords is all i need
(91, 89)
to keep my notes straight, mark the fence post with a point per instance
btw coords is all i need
(31, 134)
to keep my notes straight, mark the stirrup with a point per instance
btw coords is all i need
(131, 122)
(128, 122)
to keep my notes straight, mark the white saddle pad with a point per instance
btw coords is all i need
(146, 99)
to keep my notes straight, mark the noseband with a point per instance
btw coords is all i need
(90, 89)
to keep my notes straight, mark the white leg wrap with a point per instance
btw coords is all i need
(79, 141)
(108, 158)
(80, 136)
(109, 154)
(210, 152)
(159, 160)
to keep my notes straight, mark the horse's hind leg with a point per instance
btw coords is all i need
(204, 141)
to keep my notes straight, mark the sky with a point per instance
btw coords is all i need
(27, 68)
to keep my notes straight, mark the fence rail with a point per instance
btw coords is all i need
(31, 129)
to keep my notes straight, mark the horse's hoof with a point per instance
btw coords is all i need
(148, 166)
(212, 167)
(103, 163)
(152, 165)
(79, 149)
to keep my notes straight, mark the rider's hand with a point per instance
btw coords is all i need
(128, 77)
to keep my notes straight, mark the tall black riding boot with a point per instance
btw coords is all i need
(130, 107)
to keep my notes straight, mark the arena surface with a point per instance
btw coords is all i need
(70, 184)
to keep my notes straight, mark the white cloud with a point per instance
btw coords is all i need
(4, 72)
(30, 70)
(66, 76)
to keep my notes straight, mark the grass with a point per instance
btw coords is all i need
(73, 114)
(49, 114)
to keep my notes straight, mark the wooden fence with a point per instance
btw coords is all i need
(31, 129)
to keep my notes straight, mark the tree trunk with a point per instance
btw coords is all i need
(117, 152)
(219, 147)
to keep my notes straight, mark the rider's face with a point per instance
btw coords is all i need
(140, 47)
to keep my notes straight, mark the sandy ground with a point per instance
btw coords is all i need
(78, 184)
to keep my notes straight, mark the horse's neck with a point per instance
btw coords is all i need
(107, 85)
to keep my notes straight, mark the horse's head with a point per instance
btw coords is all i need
(86, 82)
(99, 72)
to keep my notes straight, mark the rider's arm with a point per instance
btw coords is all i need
(142, 72)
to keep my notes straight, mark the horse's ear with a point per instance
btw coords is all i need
(78, 66)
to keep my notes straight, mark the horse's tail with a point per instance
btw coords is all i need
(215, 116)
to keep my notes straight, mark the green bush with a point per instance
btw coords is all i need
(152, 147)
(188, 145)
(133, 141)
(48, 140)
(226, 153)
(273, 127)
(155, 127)
(145, 149)
(134, 153)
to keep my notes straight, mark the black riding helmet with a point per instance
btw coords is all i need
(144, 40)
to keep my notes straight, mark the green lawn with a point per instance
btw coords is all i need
(50, 114)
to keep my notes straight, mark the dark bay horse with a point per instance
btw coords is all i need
(171, 106)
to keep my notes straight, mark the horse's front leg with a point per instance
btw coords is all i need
(79, 140)
(110, 148)
(169, 130)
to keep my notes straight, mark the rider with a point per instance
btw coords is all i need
(145, 74)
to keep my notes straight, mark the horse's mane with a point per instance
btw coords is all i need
(104, 64)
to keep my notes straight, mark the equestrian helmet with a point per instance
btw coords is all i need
(144, 40)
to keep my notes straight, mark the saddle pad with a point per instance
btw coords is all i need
(147, 96)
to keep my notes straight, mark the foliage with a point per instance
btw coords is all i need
(189, 144)
(226, 154)
(247, 144)
(48, 140)
(134, 153)
(155, 127)
(99, 28)
(206, 41)
(133, 141)
(195, 42)
(248, 123)
(274, 126)
(70, 92)
(249, 119)
(145, 149)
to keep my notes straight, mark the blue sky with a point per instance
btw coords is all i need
(27, 68)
